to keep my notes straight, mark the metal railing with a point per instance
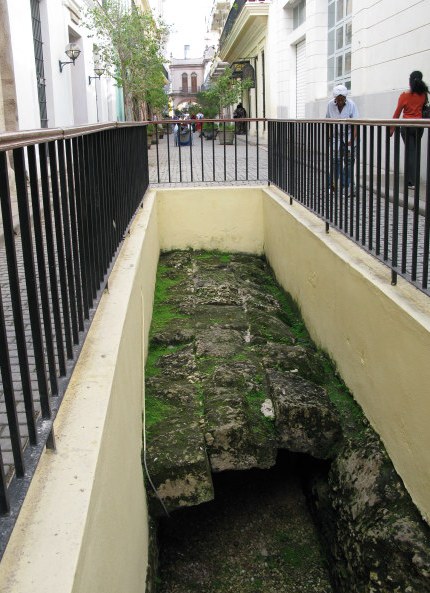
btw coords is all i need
(208, 151)
(67, 198)
(350, 176)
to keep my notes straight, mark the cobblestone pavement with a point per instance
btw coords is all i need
(207, 162)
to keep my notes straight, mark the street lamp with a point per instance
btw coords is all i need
(99, 71)
(72, 51)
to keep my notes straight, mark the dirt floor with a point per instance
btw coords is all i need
(256, 537)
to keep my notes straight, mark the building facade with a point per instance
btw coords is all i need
(301, 48)
(36, 90)
(186, 79)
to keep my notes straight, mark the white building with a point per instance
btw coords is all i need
(301, 48)
(36, 91)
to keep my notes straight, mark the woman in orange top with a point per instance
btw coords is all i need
(411, 103)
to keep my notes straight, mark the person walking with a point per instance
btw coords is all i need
(411, 104)
(340, 107)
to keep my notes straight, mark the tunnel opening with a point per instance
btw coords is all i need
(257, 535)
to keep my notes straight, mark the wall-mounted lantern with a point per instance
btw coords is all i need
(72, 51)
(98, 71)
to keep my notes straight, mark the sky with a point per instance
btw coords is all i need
(187, 18)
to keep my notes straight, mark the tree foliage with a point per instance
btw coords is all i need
(224, 91)
(129, 45)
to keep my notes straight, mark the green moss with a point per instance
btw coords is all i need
(290, 312)
(156, 411)
(154, 355)
(162, 316)
(218, 256)
(163, 313)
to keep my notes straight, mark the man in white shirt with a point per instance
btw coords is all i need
(340, 107)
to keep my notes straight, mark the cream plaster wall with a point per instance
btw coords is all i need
(83, 526)
(227, 219)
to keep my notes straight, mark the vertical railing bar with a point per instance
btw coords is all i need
(50, 249)
(415, 215)
(202, 152)
(257, 144)
(190, 126)
(74, 234)
(387, 193)
(213, 151)
(41, 264)
(84, 174)
(101, 211)
(80, 236)
(168, 151)
(60, 249)
(371, 202)
(357, 185)
(224, 152)
(90, 174)
(424, 282)
(67, 240)
(364, 195)
(378, 188)
(179, 153)
(246, 152)
(405, 204)
(235, 151)
(328, 172)
(157, 151)
(349, 174)
(395, 225)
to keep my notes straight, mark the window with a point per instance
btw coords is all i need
(339, 42)
(194, 82)
(38, 57)
(299, 14)
(185, 82)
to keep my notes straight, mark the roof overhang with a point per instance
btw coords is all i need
(248, 27)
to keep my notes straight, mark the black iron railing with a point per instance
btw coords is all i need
(208, 151)
(351, 177)
(67, 198)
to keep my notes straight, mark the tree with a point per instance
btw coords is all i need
(129, 45)
(224, 91)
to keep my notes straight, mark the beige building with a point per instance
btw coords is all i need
(186, 75)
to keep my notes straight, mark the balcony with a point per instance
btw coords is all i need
(245, 16)
(182, 92)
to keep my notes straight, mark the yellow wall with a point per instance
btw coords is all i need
(215, 218)
(83, 526)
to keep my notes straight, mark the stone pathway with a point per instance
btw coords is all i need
(207, 162)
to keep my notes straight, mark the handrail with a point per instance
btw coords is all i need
(19, 139)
